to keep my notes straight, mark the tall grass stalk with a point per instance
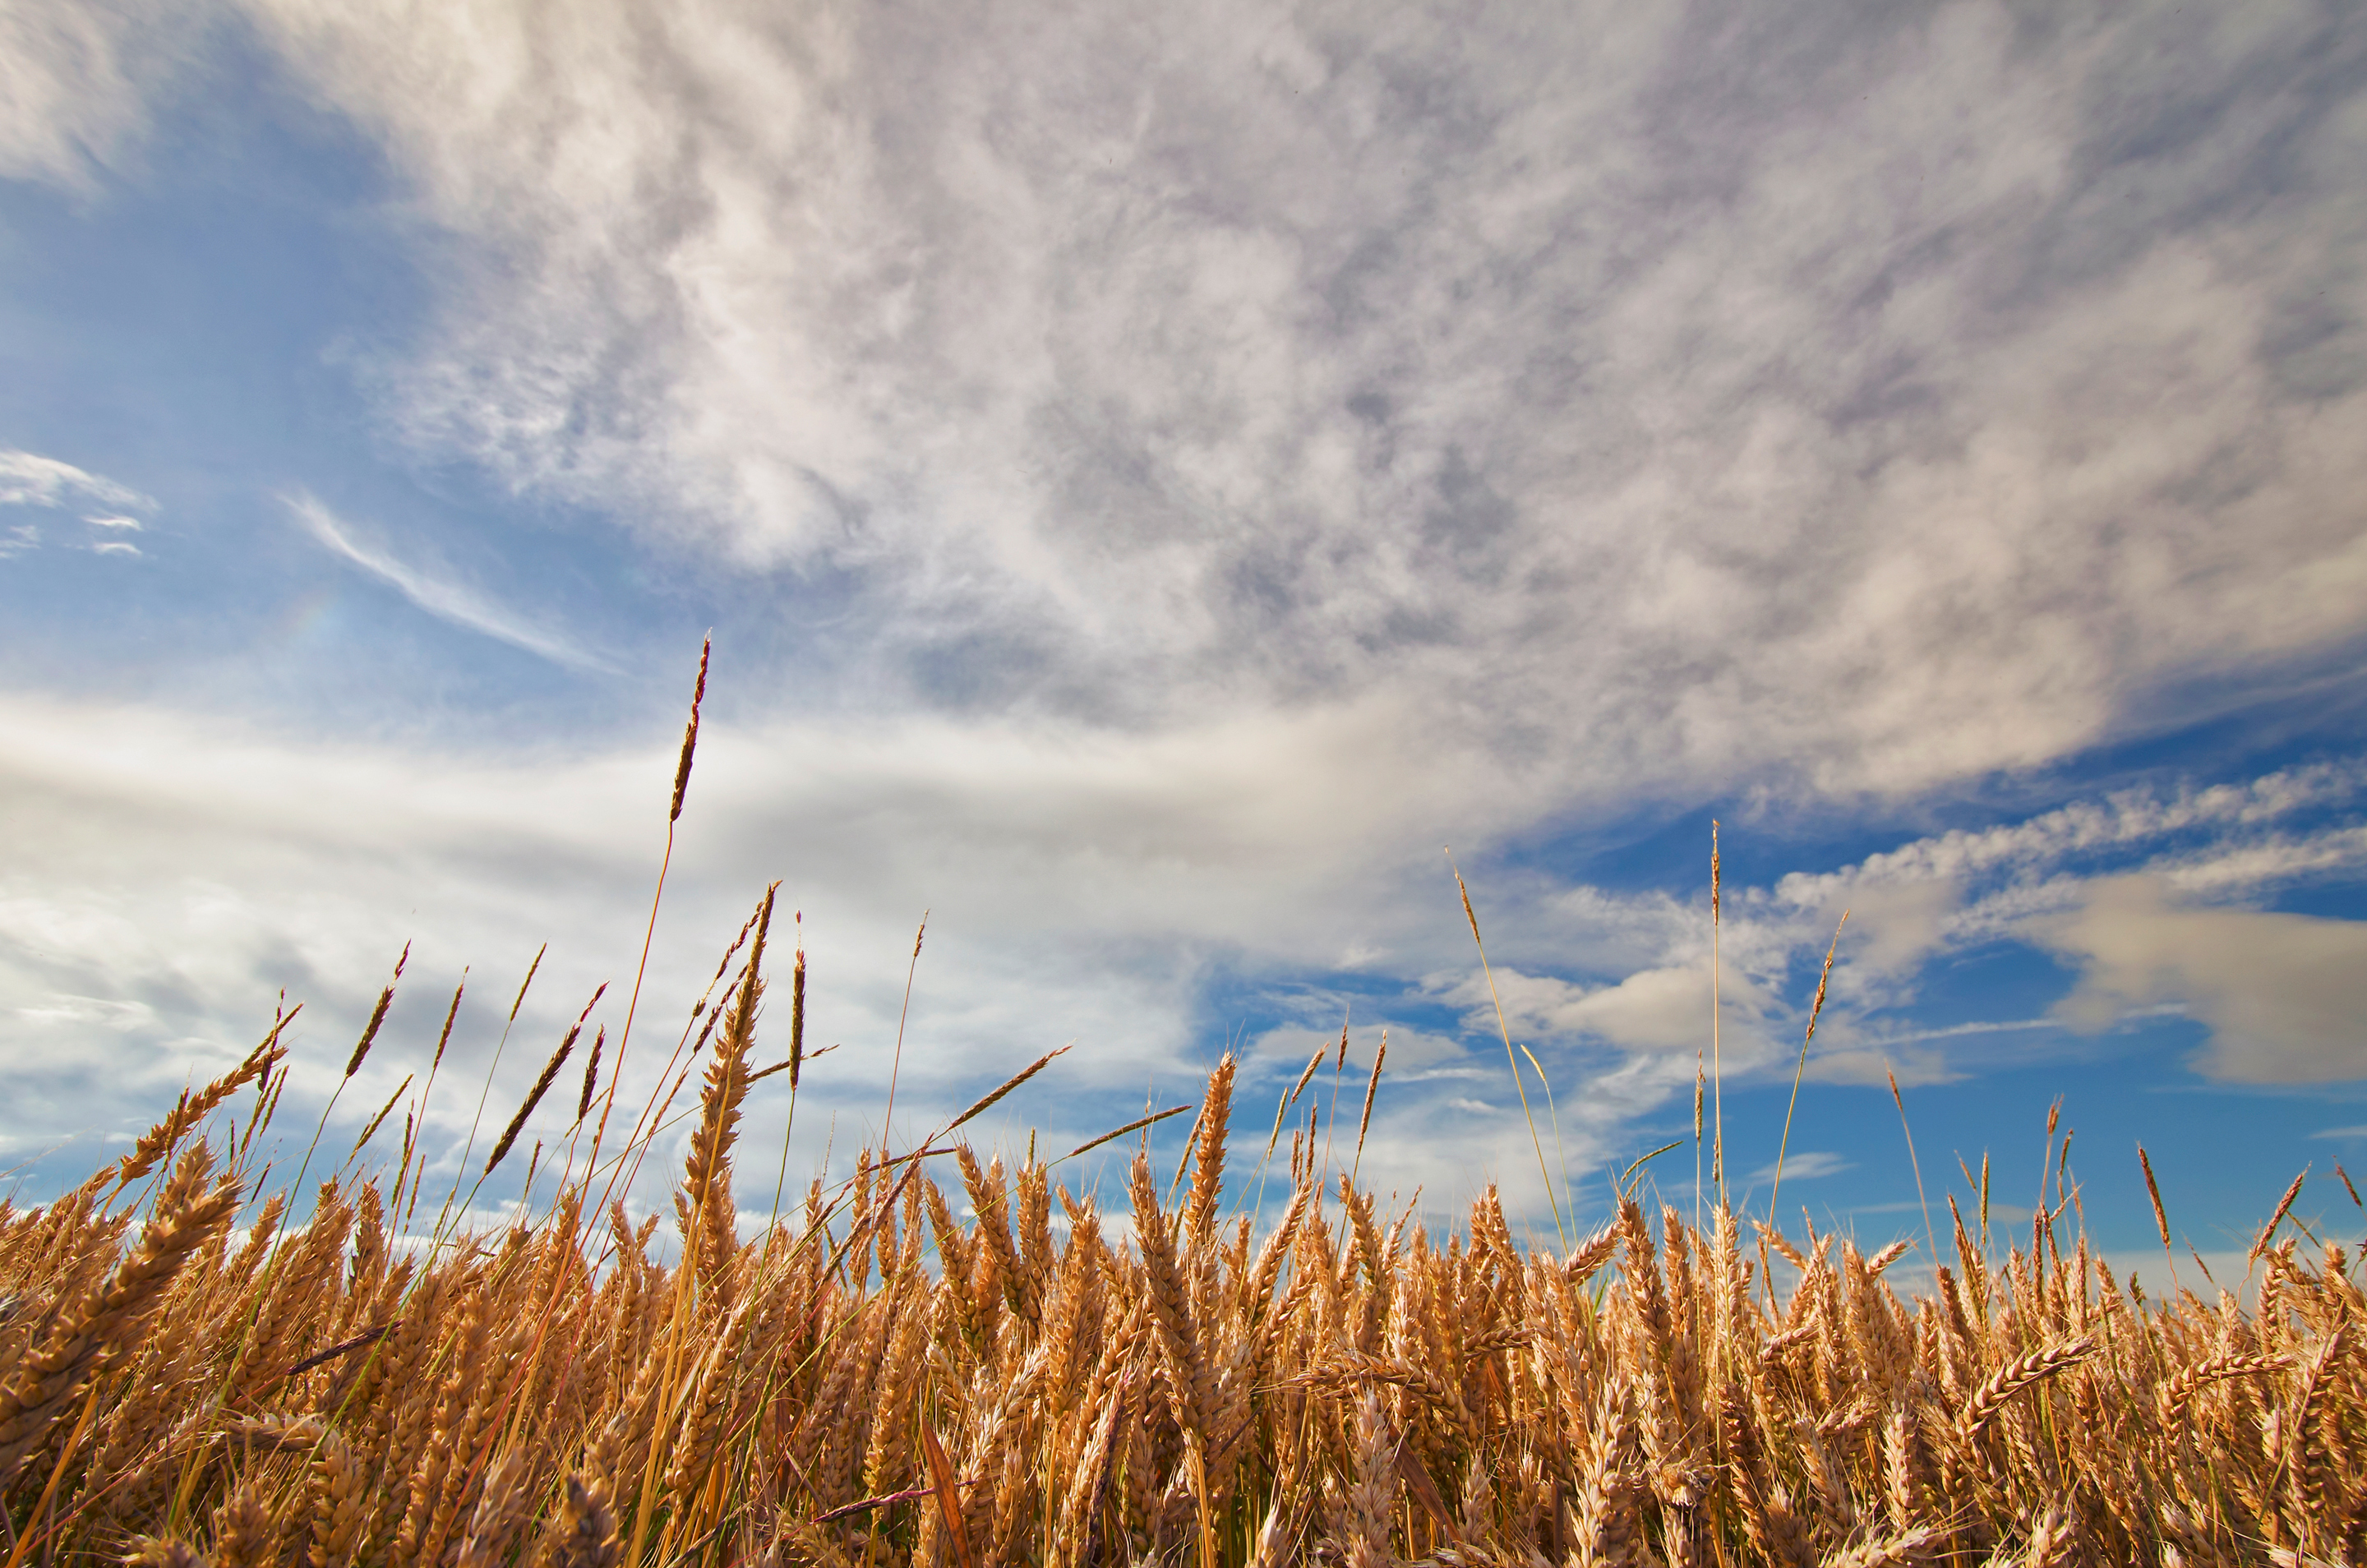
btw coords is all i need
(1816, 1010)
(1552, 1198)
(1716, 1019)
(649, 934)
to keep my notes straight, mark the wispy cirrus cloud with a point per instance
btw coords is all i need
(440, 596)
(2094, 832)
(74, 82)
(26, 478)
(1808, 1165)
(1161, 364)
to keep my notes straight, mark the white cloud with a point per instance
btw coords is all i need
(2283, 993)
(1808, 1165)
(1659, 1017)
(2266, 862)
(1923, 900)
(439, 596)
(75, 79)
(1852, 1053)
(1284, 1051)
(1838, 1057)
(2040, 879)
(1082, 886)
(2121, 821)
(29, 479)
(1894, 926)
(1158, 364)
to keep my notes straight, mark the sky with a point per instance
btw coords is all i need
(1155, 476)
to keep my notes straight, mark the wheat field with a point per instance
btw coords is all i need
(891, 1375)
(1002, 1373)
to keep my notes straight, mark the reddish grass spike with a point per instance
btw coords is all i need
(657, 898)
(85, 1337)
(369, 1031)
(160, 1141)
(896, 1062)
(2283, 1208)
(1520, 1086)
(1307, 1076)
(371, 1131)
(1135, 1125)
(533, 1098)
(2175, 1393)
(2153, 1191)
(690, 734)
(590, 1075)
(798, 1006)
(1037, 1066)
(444, 1037)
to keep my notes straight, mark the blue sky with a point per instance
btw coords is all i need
(1154, 478)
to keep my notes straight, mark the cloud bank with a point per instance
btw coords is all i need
(172, 877)
(1873, 398)
(1861, 397)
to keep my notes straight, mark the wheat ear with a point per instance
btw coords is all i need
(160, 1140)
(84, 1339)
(2187, 1383)
(2015, 1376)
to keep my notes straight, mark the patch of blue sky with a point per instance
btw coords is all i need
(206, 320)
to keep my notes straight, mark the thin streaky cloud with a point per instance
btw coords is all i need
(26, 478)
(1956, 1031)
(447, 600)
(2116, 823)
(1808, 1165)
(131, 523)
(115, 548)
